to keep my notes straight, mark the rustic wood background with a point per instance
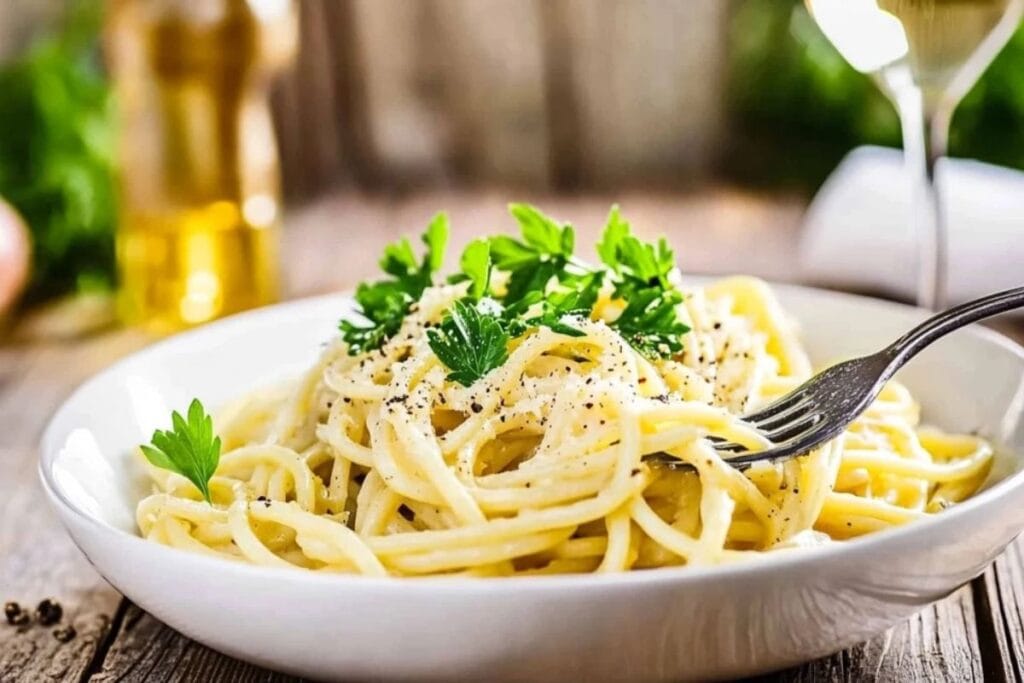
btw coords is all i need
(534, 93)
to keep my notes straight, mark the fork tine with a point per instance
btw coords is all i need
(779, 419)
(795, 428)
(776, 406)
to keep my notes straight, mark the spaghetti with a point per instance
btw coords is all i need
(378, 464)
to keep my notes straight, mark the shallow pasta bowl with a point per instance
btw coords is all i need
(669, 624)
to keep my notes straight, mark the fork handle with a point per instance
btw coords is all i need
(952, 319)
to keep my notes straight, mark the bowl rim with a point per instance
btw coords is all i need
(677, 576)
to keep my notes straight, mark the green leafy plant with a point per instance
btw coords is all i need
(797, 107)
(56, 156)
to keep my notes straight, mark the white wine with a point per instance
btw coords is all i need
(940, 46)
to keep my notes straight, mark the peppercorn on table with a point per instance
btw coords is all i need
(66, 624)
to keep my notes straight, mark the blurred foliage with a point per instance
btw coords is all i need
(56, 155)
(798, 107)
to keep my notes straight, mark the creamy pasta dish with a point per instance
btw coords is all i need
(496, 423)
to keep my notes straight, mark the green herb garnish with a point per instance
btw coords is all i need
(385, 304)
(476, 267)
(641, 276)
(189, 448)
(575, 297)
(469, 342)
(637, 264)
(539, 284)
(542, 254)
(650, 322)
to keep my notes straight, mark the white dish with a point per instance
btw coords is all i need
(669, 624)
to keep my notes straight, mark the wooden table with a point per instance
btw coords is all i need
(978, 632)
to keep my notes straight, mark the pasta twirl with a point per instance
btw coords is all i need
(377, 464)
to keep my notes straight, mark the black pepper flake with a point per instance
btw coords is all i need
(588, 405)
(642, 380)
(635, 471)
(475, 407)
(13, 612)
(49, 612)
(66, 634)
(346, 399)
(717, 326)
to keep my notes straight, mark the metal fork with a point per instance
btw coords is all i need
(821, 408)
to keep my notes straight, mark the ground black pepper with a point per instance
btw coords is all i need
(49, 612)
(476, 407)
(65, 634)
(13, 613)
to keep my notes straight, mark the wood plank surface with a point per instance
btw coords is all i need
(976, 633)
(37, 558)
(938, 644)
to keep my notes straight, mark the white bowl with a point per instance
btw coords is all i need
(669, 624)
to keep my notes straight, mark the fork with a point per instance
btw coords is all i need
(821, 408)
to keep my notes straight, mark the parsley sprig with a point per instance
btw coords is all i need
(651, 324)
(384, 304)
(470, 342)
(650, 321)
(543, 253)
(515, 285)
(189, 448)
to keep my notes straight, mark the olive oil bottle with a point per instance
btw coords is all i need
(199, 174)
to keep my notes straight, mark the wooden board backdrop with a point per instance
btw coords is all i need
(534, 93)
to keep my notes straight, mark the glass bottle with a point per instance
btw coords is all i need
(199, 173)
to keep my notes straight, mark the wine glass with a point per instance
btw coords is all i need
(925, 55)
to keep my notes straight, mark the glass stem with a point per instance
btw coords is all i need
(925, 138)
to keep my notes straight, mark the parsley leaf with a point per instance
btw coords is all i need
(641, 270)
(651, 324)
(574, 298)
(385, 304)
(476, 267)
(615, 230)
(542, 254)
(637, 264)
(190, 448)
(469, 342)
